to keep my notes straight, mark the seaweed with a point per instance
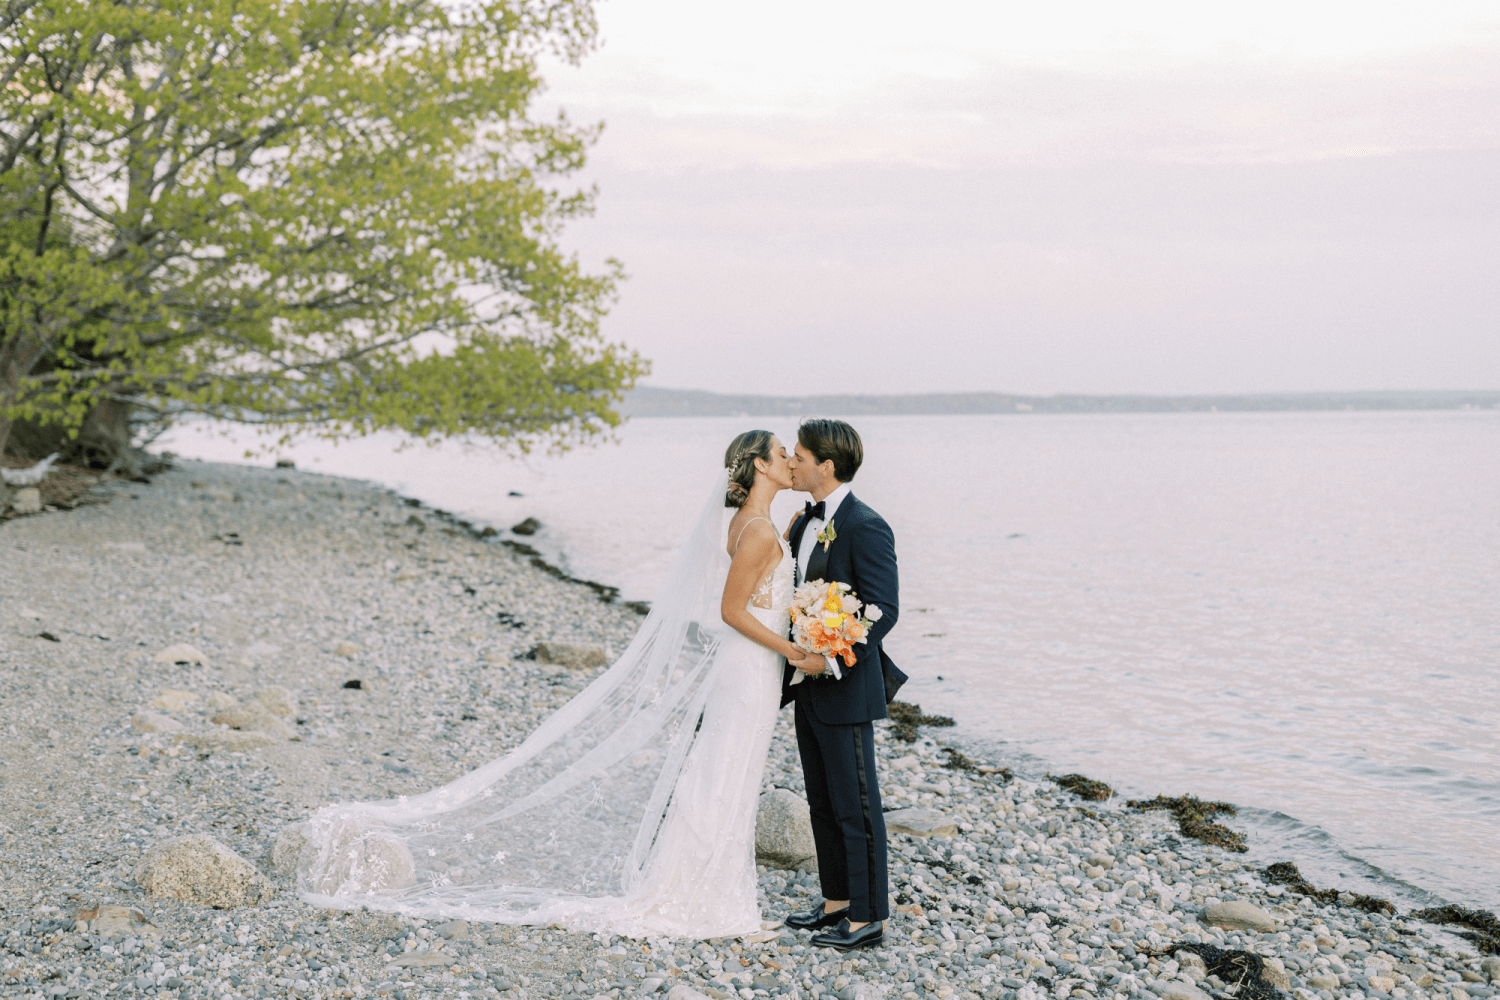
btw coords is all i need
(1193, 817)
(1285, 873)
(1238, 970)
(1084, 788)
(957, 761)
(905, 718)
(1484, 928)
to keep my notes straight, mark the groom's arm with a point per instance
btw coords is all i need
(873, 559)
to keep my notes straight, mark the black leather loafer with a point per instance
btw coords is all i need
(841, 937)
(815, 918)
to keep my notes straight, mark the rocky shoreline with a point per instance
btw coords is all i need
(225, 649)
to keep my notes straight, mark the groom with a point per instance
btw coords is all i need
(838, 538)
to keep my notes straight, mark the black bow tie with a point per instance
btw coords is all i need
(817, 510)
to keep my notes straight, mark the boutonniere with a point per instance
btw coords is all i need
(827, 535)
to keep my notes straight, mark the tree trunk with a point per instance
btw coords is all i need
(103, 442)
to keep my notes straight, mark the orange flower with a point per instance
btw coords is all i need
(856, 630)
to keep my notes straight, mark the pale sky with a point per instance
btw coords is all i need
(1090, 197)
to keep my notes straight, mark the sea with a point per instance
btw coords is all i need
(1298, 613)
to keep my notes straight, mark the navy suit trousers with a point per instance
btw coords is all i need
(843, 795)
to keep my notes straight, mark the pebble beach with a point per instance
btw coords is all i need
(223, 650)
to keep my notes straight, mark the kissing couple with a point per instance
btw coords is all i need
(631, 810)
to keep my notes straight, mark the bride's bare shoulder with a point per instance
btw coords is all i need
(746, 529)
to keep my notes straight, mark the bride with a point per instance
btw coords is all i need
(631, 810)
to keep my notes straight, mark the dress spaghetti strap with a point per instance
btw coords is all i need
(746, 525)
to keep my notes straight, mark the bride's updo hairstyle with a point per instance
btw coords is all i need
(739, 459)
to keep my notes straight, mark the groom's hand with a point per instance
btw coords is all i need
(810, 663)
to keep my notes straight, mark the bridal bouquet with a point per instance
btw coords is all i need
(826, 619)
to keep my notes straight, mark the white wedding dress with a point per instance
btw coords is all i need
(629, 811)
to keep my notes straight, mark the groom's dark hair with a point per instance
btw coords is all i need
(833, 440)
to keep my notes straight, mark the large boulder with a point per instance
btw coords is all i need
(578, 655)
(783, 832)
(199, 869)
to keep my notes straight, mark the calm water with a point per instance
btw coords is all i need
(1299, 613)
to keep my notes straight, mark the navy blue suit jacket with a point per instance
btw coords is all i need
(863, 555)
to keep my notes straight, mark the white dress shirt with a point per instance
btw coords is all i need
(815, 525)
(804, 552)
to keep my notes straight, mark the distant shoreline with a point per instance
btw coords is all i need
(647, 401)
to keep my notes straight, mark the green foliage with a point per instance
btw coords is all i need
(327, 215)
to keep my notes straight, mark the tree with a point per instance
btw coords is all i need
(334, 216)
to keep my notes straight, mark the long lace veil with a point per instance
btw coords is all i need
(574, 810)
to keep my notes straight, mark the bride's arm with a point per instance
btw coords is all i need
(756, 557)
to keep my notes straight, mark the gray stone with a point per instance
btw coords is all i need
(578, 655)
(783, 832)
(1240, 915)
(27, 501)
(1192, 964)
(920, 823)
(1491, 967)
(199, 869)
(452, 929)
(1326, 981)
(860, 991)
(153, 722)
(228, 740)
(682, 991)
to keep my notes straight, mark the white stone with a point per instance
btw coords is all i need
(27, 501)
(29, 613)
(253, 718)
(199, 869)
(783, 832)
(173, 701)
(179, 653)
(277, 700)
(218, 699)
(920, 823)
(1240, 915)
(1491, 967)
(108, 919)
(346, 648)
(152, 722)
(1176, 989)
(682, 991)
(356, 856)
